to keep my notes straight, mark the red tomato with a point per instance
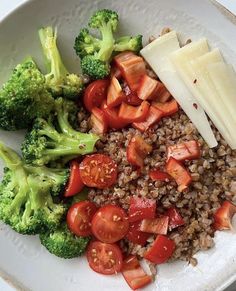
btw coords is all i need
(137, 151)
(136, 236)
(110, 224)
(98, 121)
(148, 88)
(188, 150)
(223, 216)
(157, 225)
(167, 108)
(79, 217)
(129, 114)
(75, 184)
(113, 120)
(115, 94)
(98, 171)
(131, 97)
(157, 175)
(95, 93)
(141, 208)
(104, 258)
(132, 68)
(177, 171)
(161, 250)
(175, 218)
(134, 274)
(154, 116)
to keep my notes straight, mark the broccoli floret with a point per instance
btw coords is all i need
(59, 81)
(64, 244)
(52, 139)
(26, 203)
(24, 97)
(96, 54)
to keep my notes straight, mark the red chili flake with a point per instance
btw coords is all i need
(195, 81)
(195, 105)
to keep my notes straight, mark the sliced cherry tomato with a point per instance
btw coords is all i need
(177, 171)
(104, 258)
(148, 88)
(167, 108)
(132, 68)
(136, 236)
(175, 219)
(98, 121)
(188, 150)
(163, 94)
(223, 216)
(157, 175)
(79, 218)
(75, 184)
(131, 96)
(115, 94)
(95, 93)
(141, 208)
(161, 250)
(113, 120)
(154, 116)
(157, 225)
(129, 114)
(133, 273)
(110, 224)
(98, 171)
(137, 150)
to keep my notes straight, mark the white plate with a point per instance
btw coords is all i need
(22, 259)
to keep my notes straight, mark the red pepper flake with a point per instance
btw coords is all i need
(195, 106)
(195, 81)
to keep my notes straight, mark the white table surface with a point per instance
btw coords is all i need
(8, 5)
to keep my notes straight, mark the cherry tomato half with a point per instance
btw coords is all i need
(95, 93)
(75, 184)
(104, 258)
(110, 224)
(98, 171)
(79, 217)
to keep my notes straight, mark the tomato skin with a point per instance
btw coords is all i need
(129, 114)
(223, 216)
(157, 175)
(157, 225)
(167, 108)
(110, 224)
(188, 150)
(98, 171)
(136, 236)
(104, 258)
(75, 184)
(98, 121)
(141, 208)
(95, 93)
(175, 219)
(161, 250)
(134, 274)
(79, 217)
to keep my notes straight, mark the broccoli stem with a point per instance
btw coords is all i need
(10, 157)
(107, 42)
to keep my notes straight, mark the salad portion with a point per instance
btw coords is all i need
(132, 160)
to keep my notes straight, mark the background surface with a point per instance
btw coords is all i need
(7, 6)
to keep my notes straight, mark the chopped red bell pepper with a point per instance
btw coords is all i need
(154, 116)
(129, 114)
(131, 96)
(137, 150)
(132, 68)
(133, 273)
(112, 118)
(136, 236)
(223, 216)
(167, 108)
(188, 150)
(98, 121)
(115, 72)
(163, 95)
(157, 175)
(115, 94)
(177, 171)
(148, 88)
(75, 184)
(141, 208)
(175, 219)
(157, 225)
(161, 250)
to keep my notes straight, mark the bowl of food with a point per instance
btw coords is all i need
(117, 145)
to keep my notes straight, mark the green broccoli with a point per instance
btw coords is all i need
(52, 139)
(26, 203)
(64, 244)
(24, 97)
(96, 54)
(59, 81)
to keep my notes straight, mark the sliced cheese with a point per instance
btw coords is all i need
(157, 55)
